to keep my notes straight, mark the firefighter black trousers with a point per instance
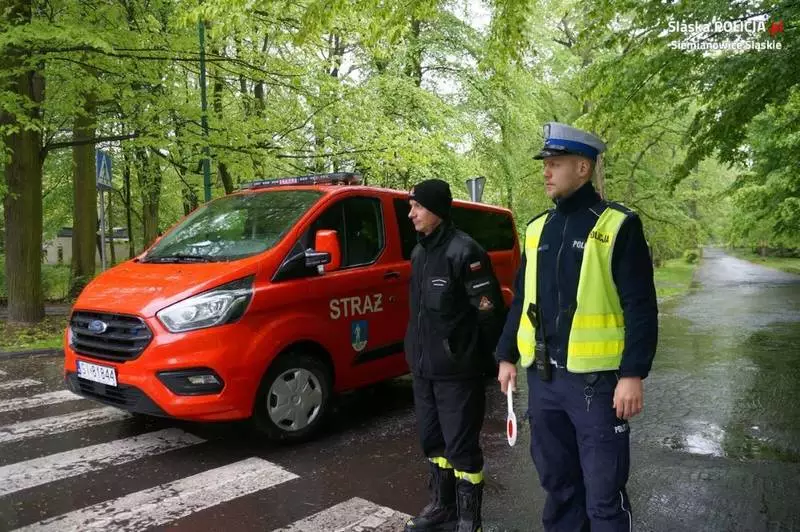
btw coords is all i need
(449, 418)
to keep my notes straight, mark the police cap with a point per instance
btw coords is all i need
(561, 139)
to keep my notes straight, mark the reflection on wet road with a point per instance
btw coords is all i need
(728, 365)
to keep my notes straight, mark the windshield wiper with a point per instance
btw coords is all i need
(179, 257)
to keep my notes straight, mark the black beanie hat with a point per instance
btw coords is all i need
(434, 195)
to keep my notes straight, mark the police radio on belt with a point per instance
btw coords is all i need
(543, 368)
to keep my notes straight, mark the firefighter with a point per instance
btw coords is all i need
(456, 316)
(584, 322)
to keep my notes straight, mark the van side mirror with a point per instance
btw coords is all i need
(326, 241)
(315, 258)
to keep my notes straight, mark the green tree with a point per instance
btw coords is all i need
(22, 86)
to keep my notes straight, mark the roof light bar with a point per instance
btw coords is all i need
(337, 178)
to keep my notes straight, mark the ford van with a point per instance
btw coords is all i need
(264, 304)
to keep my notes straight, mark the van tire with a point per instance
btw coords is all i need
(296, 390)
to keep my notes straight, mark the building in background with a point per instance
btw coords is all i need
(59, 249)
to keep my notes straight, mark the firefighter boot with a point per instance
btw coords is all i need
(470, 498)
(441, 512)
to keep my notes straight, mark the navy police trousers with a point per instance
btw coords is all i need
(581, 451)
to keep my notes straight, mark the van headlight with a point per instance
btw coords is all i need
(218, 306)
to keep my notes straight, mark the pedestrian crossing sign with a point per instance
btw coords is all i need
(103, 170)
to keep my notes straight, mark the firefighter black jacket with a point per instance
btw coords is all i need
(456, 307)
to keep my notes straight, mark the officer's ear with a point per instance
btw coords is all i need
(585, 168)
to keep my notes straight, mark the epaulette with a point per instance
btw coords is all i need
(620, 207)
(539, 216)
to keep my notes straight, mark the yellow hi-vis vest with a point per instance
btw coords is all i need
(597, 336)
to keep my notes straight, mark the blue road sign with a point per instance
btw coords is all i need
(103, 170)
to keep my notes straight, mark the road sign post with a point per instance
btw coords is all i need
(475, 188)
(103, 183)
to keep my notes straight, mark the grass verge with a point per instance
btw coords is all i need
(674, 278)
(786, 264)
(43, 335)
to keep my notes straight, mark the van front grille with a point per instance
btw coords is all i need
(113, 337)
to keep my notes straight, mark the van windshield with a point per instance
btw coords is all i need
(233, 227)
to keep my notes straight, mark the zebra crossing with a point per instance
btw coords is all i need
(21, 383)
(40, 417)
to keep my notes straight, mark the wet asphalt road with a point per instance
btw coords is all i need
(716, 449)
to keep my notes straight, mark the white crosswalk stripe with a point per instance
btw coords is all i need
(353, 515)
(24, 475)
(168, 502)
(58, 424)
(156, 505)
(21, 383)
(42, 399)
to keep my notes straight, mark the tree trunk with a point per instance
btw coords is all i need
(23, 173)
(3, 232)
(224, 175)
(414, 65)
(243, 92)
(150, 185)
(110, 231)
(258, 90)
(23, 224)
(506, 151)
(126, 178)
(84, 192)
(190, 200)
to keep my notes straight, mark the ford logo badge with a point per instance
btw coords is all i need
(97, 326)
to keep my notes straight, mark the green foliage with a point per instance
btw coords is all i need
(739, 107)
(704, 146)
(768, 195)
(692, 256)
(55, 281)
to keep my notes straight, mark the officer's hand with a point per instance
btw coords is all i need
(507, 374)
(629, 397)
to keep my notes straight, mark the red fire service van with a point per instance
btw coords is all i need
(263, 304)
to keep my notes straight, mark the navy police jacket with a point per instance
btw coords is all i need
(559, 265)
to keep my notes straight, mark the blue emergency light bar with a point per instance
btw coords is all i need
(336, 178)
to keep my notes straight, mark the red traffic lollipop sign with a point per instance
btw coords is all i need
(511, 423)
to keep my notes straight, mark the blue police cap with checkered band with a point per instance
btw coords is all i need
(561, 139)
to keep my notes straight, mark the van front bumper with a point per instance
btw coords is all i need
(123, 396)
(157, 382)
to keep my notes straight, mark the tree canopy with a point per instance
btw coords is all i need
(702, 143)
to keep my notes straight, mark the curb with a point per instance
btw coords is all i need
(32, 352)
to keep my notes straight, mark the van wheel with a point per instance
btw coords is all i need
(293, 398)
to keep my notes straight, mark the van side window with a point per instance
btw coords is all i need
(494, 231)
(363, 230)
(358, 223)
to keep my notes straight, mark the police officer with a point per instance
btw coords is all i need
(584, 323)
(456, 316)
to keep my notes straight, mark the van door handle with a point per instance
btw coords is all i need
(391, 275)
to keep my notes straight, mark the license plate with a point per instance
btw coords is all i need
(97, 373)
